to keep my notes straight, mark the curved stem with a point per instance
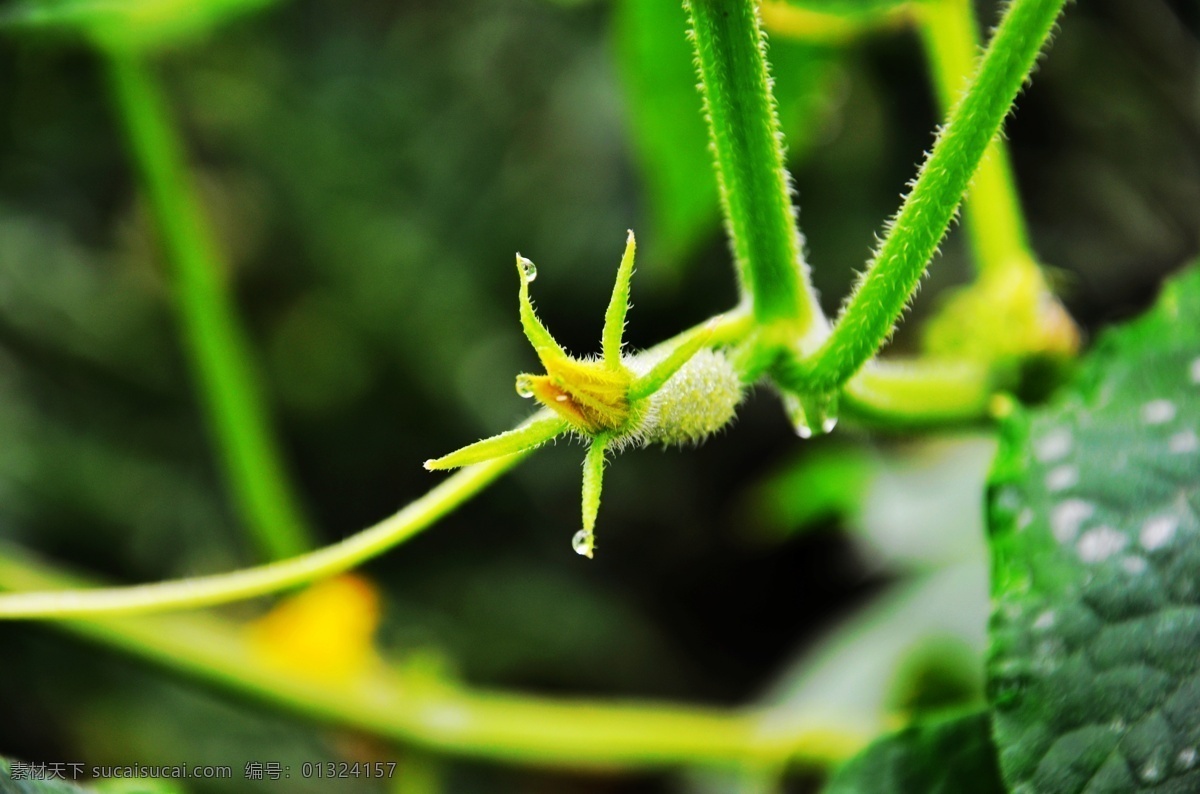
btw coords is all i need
(442, 716)
(743, 124)
(881, 295)
(660, 373)
(727, 328)
(214, 339)
(995, 224)
(918, 393)
(250, 582)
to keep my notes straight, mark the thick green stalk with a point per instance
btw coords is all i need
(215, 342)
(995, 224)
(447, 718)
(743, 125)
(886, 393)
(882, 294)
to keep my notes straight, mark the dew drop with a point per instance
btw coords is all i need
(525, 386)
(1062, 478)
(811, 414)
(1098, 544)
(1183, 442)
(1045, 620)
(1066, 518)
(584, 543)
(1157, 412)
(1158, 532)
(1053, 446)
(528, 268)
(1134, 565)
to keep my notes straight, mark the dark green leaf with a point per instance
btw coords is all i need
(950, 756)
(1095, 663)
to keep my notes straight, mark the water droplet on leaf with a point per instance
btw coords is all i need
(525, 386)
(1150, 773)
(584, 543)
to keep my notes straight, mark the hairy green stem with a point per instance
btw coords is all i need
(886, 393)
(882, 294)
(444, 717)
(743, 125)
(995, 224)
(216, 344)
(251, 582)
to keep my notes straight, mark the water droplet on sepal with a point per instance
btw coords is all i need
(525, 386)
(584, 543)
(528, 268)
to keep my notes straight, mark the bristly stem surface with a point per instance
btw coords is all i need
(995, 224)
(882, 294)
(214, 340)
(747, 146)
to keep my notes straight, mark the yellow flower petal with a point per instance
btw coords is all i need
(325, 632)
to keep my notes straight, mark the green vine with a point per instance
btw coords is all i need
(995, 224)
(443, 716)
(879, 299)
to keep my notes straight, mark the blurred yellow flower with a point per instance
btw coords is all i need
(326, 632)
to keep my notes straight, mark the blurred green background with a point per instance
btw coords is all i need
(369, 169)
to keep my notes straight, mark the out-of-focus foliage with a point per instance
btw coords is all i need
(913, 505)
